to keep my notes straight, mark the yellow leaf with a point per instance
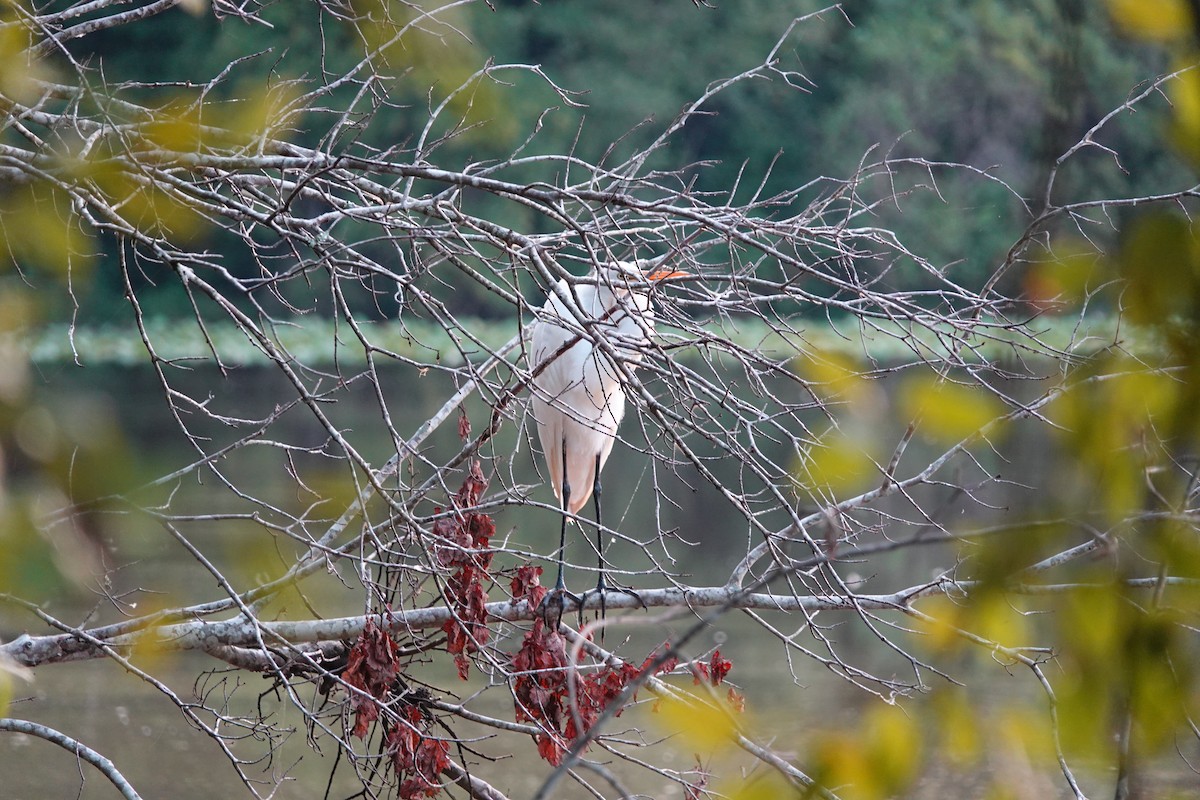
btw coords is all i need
(941, 624)
(151, 652)
(957, 727)
(1154, 20)
(1093, 625)
(39, 227)
(838, 463)
(700, 724)
(18, 75)
(949, 412)
(263, 113)
(175, 128)
(834, 373)
(843, 762)
(1184, 93)
(766, 786)
(994, 618)
(148, 207)
(893, 741)
(1024, 731)
(1158, 259)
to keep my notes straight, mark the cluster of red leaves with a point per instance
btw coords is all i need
(541, 691)
(714, 672)
(527, 585)
(371, 668)
(463, 543)
(416, 758)
(695, 790)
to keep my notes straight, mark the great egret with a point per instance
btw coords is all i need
(578, 397)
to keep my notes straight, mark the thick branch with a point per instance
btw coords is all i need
(89, 755)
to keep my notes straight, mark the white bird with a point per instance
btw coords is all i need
(578, 394)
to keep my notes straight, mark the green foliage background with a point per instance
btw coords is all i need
(999, 85)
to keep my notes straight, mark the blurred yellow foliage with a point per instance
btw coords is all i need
(833, 375)
(1063, 278)
(894, 744)
(940, 623)
(1160, 260)
(18, 310)
(262, 113)
(176, 127)
(144, 204)
(1154, 20)
(253, 557)
(769, 785)
(995, 619)
(948, 412)
(1092, 621)
(19, 76)
(840, 462)
(1172, 23)
(1111, 423)
(1023, 732)
(1184, 93)
(151, 652)
(958, 734)
(878, 761)
(39, 227)
(699, 723)
(426, 47)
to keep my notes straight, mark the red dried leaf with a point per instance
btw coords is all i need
(550, 750)
(714, 671)
(695, 790)
(527, 585)
(473, 486)
(463, 545)
(719, 667)
(418, 760)
(540, 687)
(464, 425)
(365, 711)
(372, 668)
(666, 666)
(541, 691)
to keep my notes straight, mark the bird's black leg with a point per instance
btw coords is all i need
(602, 587)
(601, 582)
(553, 602)
(560, 583)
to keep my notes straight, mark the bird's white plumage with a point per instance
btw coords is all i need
(578, 397)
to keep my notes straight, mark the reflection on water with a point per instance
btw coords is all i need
(789, 701)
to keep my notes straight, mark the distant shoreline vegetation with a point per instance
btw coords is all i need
(322, 341)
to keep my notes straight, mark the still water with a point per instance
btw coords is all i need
(789, 706)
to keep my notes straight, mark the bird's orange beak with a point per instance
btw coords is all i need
(662, 274)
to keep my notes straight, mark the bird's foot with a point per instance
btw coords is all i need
(554, 603)
(603, 590)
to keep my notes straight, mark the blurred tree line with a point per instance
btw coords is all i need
(1000, 85)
